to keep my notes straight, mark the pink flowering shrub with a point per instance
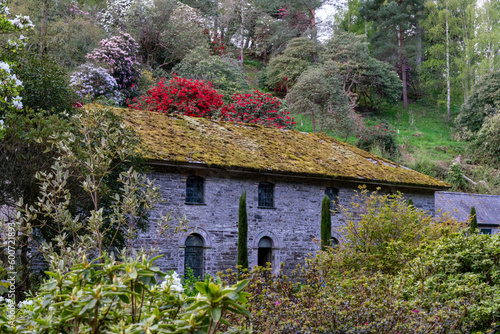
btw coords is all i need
(119, 53)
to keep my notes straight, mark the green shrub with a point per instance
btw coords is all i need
(380, 137)
(381, 232)
(110, 296)
(45, 84)
(486, 146)
(454, 269)
(456, 177)
(223, 72)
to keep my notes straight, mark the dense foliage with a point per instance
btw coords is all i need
(119, 54)
(258, 108)
(181, 96)
(45, 84)
(110, 296)
(225, 74)
(92, 82)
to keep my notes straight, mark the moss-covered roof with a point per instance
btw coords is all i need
(188, 140)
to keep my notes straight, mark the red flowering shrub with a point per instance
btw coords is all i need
(217, 46)
(188, 97)
(258, 108)
(381, 135)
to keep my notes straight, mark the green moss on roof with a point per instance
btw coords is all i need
(182, 139)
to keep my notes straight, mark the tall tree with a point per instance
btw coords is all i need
(473, 220)
(395, 25)
(488, 36)
(326, 223)
(243, 232)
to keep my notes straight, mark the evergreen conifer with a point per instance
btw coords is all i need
(326, 223)
(473, 220)
(243, 232)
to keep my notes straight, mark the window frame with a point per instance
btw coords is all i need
(265, 203)
(335, 194)
(195, 198)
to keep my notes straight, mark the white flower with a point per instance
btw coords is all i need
(24, 303)
(4, 66)
(172, 282)
(16, 102)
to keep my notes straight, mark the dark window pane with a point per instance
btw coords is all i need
(265, 251)
(265, 243)
(266, 195)
(194, 190)
(333, 194)
(193, 255)
(486, 231)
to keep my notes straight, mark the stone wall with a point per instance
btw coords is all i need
(293, 224)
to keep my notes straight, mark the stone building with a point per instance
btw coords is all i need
(459, 206)
(203, 166)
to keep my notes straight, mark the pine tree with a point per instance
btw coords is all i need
(243, 232)
(326, 223)
(473, 220)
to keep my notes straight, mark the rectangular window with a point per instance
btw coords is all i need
(194, 190)
(486, 231)
(266, 195)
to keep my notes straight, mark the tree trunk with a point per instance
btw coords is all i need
(241, 33)
(313, 121)
(448, 92)
(314, 32)
(43, 27)
(403, 66)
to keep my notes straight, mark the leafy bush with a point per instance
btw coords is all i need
(484, 102)
(109, 296)
(456, 177)
(319, 93)
(317, 298)
(284, 70)
(223, 72)
(380, 136)
(181, 96)
(381, 231)
(91, 82)
(456, 268)
(258, 108)
(119, 53)
(45, 84)
(486, 146)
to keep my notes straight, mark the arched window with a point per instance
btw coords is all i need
(335, 243)
(266, 195)
(194, 190)
(333, 194)
(193, 255)
(265, 251)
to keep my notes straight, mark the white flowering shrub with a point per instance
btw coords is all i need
(117, 11)
(10, 85)
(110, 296)
(91, 81)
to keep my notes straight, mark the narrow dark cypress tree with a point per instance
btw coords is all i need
(243, 232)
(326, 223)
(473, 220)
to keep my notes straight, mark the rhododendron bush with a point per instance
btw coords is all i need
(119, 53)
(181, 96)
(258, 108)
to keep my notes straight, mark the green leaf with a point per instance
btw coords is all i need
(216, 313)
(201, 287)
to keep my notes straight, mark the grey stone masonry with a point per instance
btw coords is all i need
(293, 224)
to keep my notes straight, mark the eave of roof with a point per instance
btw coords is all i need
(184, 140)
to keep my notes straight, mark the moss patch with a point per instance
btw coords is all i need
(182, 139)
